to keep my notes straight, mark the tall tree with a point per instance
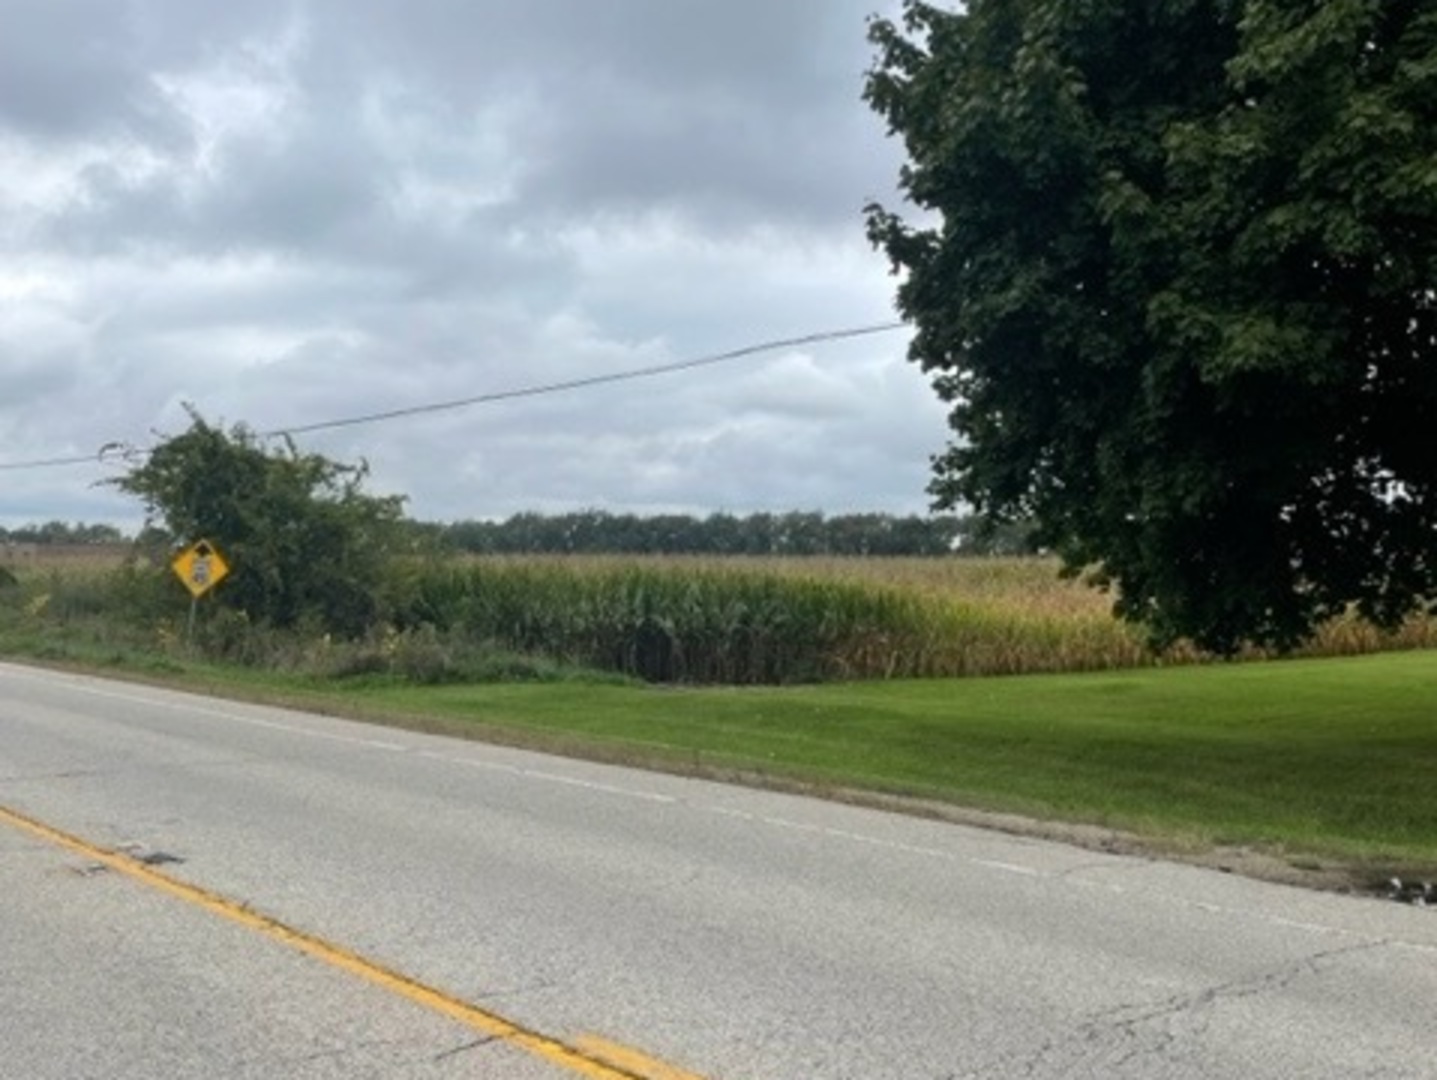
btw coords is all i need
(1176, 271)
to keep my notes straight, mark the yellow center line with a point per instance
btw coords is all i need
(590, 1056)
(626, 1057)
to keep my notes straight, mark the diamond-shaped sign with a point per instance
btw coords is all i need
(201, 567)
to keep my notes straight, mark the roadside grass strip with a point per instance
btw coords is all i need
(1334, 758)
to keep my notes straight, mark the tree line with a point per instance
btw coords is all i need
(793, 533)
(62, 533)
(600, 532)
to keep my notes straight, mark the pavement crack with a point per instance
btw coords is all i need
(1277, 979)
(539, 986)
(1119, 1037)
(464, 1048)
(63, 774)
(335, 1053)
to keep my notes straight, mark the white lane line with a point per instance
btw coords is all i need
(1316, 928)
(473, 763)
(793, 826)
(236, 718)
(546, 777)
(874, 841)
(373, 744)
(1206, 907)
(724, 811)
(1009, 868)
(590, 785)
(898, 845)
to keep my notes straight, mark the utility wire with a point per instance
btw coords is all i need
(48, 463)
(118, 451)
(591, 380)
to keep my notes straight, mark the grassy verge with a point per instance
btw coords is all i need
(1308, 759)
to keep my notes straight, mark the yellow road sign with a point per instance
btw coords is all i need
(201, 567)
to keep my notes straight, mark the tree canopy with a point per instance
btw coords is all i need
(301, 537)
(1174, 266)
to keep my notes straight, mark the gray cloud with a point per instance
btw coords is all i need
(72, 70)
(289, 211)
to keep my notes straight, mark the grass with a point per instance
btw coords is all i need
(1316, 761)
(1335, 758)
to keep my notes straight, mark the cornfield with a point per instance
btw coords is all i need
(737, 620)
(745, 620)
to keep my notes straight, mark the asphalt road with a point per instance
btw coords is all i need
(196, 888)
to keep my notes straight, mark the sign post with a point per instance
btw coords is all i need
(200, 567)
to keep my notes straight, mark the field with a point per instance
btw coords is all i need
(845, 618)
(697, 620)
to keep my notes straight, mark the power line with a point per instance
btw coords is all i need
(117, 451)
(111, 451)
(48, 463)
(591, 380)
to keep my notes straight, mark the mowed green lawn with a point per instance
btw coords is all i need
(1333, 758)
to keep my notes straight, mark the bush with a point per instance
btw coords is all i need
(302, 539)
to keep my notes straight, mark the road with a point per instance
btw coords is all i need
(197, 888)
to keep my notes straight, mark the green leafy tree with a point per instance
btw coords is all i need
(1176, 272)
(302, 538)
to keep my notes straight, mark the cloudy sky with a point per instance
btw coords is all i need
(289, 211)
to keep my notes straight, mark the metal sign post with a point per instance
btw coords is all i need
(200, 567)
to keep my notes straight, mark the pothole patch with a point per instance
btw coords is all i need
(149, 856)
(158, 858)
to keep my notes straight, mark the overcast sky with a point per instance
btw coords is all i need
(286, 211)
